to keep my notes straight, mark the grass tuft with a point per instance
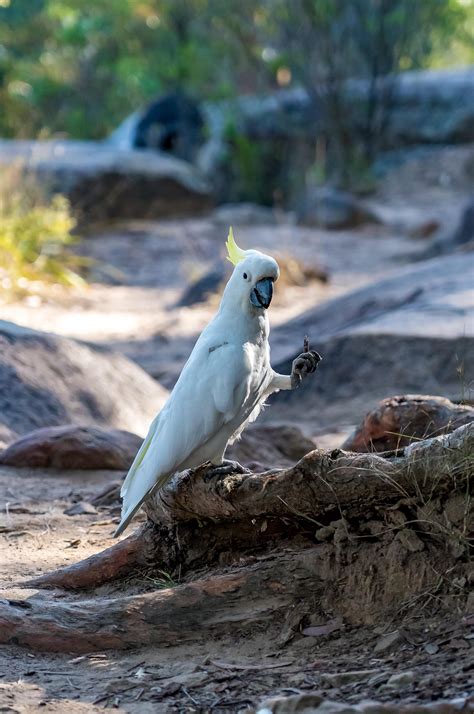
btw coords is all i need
(36, 232)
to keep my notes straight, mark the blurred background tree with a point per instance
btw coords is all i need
(77, 69)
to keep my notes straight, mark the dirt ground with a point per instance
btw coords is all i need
(430, 650)
(131, 306)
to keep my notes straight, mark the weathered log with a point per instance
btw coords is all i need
(245, 599)
(200, 522)
(273, 592)
(321, 481)
(398, 421)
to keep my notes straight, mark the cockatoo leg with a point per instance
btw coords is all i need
(227, 467)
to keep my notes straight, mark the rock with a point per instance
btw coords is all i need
(462, 238)
(205, 286)
(105, 183)
(340, 679)
(428, 106)
(82, 508)
(398, 421)
(457, 512)
(246, 214)
(333, 209)
(469, 609)
(313, 703)
(388, 642)
(425, 108)
(409, 540)
(390, 337)
(173, 124)
(400, 680)
(424, 229)
(47, 380)
(270, 447)
(434, 106)
(188, 680)
(73, 447)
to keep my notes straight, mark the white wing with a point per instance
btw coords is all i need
(210, 392)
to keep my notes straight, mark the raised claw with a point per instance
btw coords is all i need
(306, 363)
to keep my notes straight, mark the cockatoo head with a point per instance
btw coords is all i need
(251, 283)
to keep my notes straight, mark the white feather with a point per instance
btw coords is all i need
(222, 387)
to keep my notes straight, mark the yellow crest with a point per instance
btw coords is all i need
(234, 253)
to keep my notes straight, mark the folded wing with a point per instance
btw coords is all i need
(210, 392)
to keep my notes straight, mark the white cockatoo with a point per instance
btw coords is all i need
(222, 387)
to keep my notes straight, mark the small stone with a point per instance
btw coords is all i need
(80, 509)
(389, 641)
(339, 679)
(401, 680)
(188, 680)
(470, 604)
(377, 679)
(324, 533)
(431, 648)
(409, 540)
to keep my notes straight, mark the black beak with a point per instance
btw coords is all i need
(261, 295)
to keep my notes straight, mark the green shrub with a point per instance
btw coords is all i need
(35, 236)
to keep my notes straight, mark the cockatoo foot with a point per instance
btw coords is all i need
(227, 467)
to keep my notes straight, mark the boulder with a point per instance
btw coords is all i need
(327, 207)
(73, 447)
(270, 447)
(248, 214)
(432, 106)
(398, 421)
(461, 239)
(205, 286)
(425, 106)
(411, 333)
(107, 183)
(47, 380)
(93, 447)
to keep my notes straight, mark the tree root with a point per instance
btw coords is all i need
(274, 593)
(135, 551)
(194, 522)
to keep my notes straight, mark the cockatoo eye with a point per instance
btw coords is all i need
(245, 276)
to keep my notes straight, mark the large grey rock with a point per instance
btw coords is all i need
(427, 106)
(104, 183)
(331, 208)
(46, 380)
(410, 333)
(432, 106)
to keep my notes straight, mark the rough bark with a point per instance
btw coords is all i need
(275, 592)
(200, 522)
(321, 481)
(244, 599)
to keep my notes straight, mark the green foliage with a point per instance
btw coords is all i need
(35, 233)
(67, 66)
(77, 68)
